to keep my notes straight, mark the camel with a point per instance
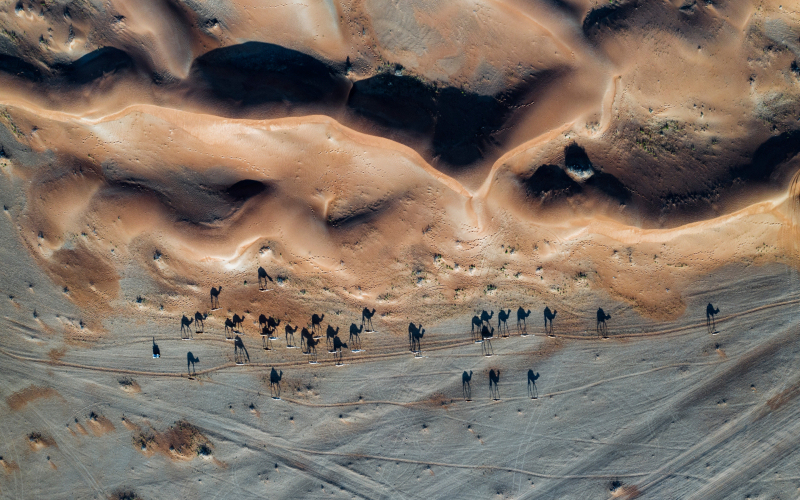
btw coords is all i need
(466, 388)
(266, 338)
(263, 277)
(273, 323)
(237, 322)
(199, 322)
(275, 383)
(330, 336)
(416, 338)
(366, 318)
(494, 379)
(711, 323)
(215, 297)
(229, 327)
(190, 361)
(289, 333)
(412, 330)
(185, 324)
(262, 321)
(522, 326)
(486, 317)
(240, 351)
(316, 322)
(601, 322)
(502, 320)
(337, 349)
(156, 350)
(486, 336)
(548, 316)
(311, 344)
(476, 327)
(355, 336)
(305, 336)
(532, 377)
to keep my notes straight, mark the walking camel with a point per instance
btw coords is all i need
(240, 351)
(316, 322)
(305, 335)
(502, 320)
(190, 361)
(237, 322)
(532, 378)
(549, 316)
(199, 322)
(355, 336)
(215, 297)
(337, 349)
(416, 340)
(601, 322)
(262, 278)
(711, 323)
(466, 388)
(185, 326)
(412, 330)
(494, 379)
(476, 327)
(275, 383)
(486, 336)
(366, 318)
(330, 335)
(522, 326)
(289, 333)
(311, 345)
(229, 327)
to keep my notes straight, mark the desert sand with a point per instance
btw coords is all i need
(448, 198)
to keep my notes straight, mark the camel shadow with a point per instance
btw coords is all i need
(289, 331)
(355, 337)
(199, 322)
(366, 319)
(240, 354)
(275, 383)
(711, 323)
(156, 350)
(532, 378)
(186, 330)
(494, 380)
(415, 334)
(522, 326)
(215, 291)
(316, 324)
(502, 322)
(263, 278)
(549, 316)
(602, 328)
(486, 338)
(337, 350)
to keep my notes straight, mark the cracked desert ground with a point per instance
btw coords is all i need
(203, 178)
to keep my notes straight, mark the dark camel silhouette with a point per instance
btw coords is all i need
(229, 327)
(305, 335)
(266, 338)
(494, 379)
(337, 349)
(316, 322)
(466, 388)
(311, 345)
(416, 339)
(602, 329)
(156, 350)
(502, 320)
(711, 323)
(275, 383)
(355, 336)
(486, 336)
(262, 278)
(262, 321)
(486, 317)
(190, 361)
(522, 326)
(238, 322)
(215, 297)
(412, 330)
(366, 318)
(549, 316)
(532, 378)
(273, 323)
(289, 333)
(185, 326)
(476, 327)
(199, 322)
(331, 334)
(240, 353)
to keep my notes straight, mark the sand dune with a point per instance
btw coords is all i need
(425, 162)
